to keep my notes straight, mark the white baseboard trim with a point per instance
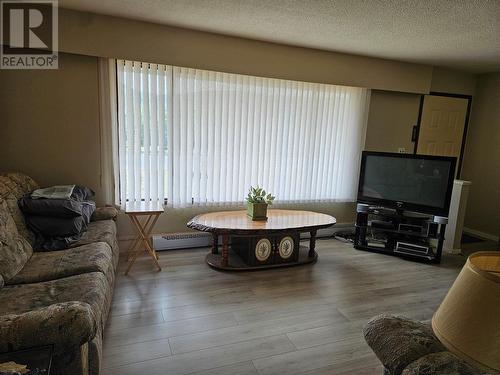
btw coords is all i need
(486, 236)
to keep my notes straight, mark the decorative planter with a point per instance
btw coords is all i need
(257, 211)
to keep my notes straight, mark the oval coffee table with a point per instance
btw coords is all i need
(261, 244)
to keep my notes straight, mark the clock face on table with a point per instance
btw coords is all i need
(286, 247)
(263, 249)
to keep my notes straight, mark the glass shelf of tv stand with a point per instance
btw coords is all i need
(401, 232)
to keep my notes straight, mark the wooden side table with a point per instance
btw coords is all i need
(150, 212)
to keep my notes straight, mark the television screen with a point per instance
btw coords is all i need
(413, 182)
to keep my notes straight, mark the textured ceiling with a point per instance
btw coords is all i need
(462, 34)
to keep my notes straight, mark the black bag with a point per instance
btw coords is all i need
(58, 223)
(49, 226)
(62, 208)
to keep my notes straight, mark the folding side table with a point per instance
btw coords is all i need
(149, 212)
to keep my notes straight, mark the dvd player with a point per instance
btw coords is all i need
(412, 249)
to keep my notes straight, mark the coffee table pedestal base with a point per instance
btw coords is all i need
(235, 263)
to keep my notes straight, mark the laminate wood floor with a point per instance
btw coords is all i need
(191, 319)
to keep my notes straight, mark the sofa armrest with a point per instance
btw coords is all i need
(398, 341)
(104, 213)
(440, 363)
(63, 325)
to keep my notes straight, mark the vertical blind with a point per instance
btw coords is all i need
(203, 137)
(143, 118)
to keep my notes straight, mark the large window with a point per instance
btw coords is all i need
(200, 137)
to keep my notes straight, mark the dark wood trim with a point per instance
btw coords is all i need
(312, 243)
(466, 125)
(225, 251)
(215, 243)
(421, 106)
(449, 95)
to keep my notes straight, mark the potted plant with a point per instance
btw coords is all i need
(257, 201)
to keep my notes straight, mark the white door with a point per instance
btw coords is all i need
(442, 126)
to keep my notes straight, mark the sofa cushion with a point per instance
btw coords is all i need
(443, 363)
(91, 288)
(101, 231)
(52, 265)
(19, 219)
(104, 213)
(14, 249)
(17, 184)
(14, 186)
(397, 341)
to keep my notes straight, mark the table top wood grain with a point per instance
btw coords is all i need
(277, 220)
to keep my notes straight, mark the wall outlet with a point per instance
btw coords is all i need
(402, 150)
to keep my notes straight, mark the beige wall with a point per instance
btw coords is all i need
(390, 121)
(49, 126)
(482, 157)
(453, 81)
(50, 119)
(99, 35)
(49, 130)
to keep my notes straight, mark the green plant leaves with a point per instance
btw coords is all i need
(259, 195)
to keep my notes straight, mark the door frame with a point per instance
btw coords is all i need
(466, 125)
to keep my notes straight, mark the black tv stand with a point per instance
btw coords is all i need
(411, 235)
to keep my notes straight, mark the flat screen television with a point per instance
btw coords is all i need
(419, 183)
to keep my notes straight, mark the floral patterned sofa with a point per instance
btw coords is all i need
(59, 298)
(409, 347)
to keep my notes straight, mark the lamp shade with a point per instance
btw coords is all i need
(468, 320)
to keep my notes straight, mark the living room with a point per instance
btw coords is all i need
(165, 113)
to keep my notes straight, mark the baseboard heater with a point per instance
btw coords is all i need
(174, 241)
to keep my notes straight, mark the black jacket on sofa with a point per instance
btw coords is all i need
(58, 223)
